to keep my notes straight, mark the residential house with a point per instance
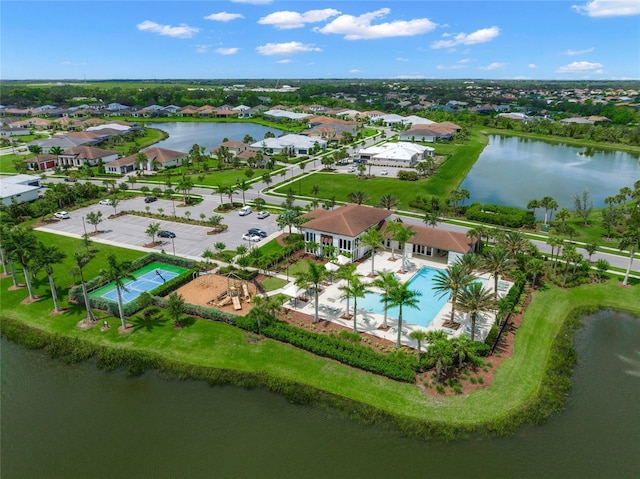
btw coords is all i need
(122, 166)
(41, 162)
(160, 158)
(79, 155)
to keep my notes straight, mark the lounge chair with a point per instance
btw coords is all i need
(245, 290)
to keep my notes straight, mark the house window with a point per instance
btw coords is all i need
(309, 236)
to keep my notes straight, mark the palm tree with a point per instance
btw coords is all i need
(496, 262)
(419, 335)
(549, 204)
(401, 296)
(358, 197)
(185, 184)
(388, 202)
(463, 349)
(386, 282)
(475, 299)
(562, 215)
(347, 272)
(402, 234)
(47, 256)
(312, 277)
(5, 253)
(631, 240)
(118, 273)
(80, 260)
(243, 186)
(355, 289)
(451, 281)
(442, 355)
(94, 218)
(515, 243)
(373, 239)
(535, 267)
(22, 246)
(175, 308)
(152, 230)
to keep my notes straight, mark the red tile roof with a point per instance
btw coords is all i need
(348, 220)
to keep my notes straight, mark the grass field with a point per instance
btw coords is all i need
(451, 173)
(218, 345)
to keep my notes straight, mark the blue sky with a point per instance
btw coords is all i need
(246, 39)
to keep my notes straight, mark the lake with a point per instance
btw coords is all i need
(183, 135)
(76, 421)
(512, 170)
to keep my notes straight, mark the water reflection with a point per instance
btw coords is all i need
(513, 170)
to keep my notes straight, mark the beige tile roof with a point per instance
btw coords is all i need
(348, 220)
(438, 238)
(163, 155)
(88, 153)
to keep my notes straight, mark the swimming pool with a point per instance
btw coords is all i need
(429, 304)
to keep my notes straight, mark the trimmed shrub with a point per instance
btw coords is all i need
(500, 215)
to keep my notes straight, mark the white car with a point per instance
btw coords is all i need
(61, 215)
(248, 237)
(245, 210)
(384, 172)
(262, 215)
(107, 202)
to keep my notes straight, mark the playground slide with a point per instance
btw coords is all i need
(236, 303)
(245, 290)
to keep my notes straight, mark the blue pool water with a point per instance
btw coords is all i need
(429, 304)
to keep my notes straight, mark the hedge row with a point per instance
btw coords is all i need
(500, 215)
(200, 311)
(392, 366)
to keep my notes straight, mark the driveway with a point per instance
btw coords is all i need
(191, 240)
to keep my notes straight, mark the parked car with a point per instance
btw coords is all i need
(384, 172)
(249, 237)
(258, 232)
(351, 169)
(166, 234)
(108, 202)
(262, 215)
(61, 215)
(245, 210)
(150, 199)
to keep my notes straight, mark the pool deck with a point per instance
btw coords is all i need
(331, 306)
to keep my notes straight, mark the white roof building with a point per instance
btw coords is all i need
(401, 154)
(19, 188)
(286, 114)
(298, 144)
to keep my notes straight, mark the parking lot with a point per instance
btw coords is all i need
(190, 240)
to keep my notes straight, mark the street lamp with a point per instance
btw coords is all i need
(85, 237)
(173, 244)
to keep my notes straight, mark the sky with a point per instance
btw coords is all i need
(280, 39)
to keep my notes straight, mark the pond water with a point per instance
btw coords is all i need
(72, 421)
(183, 135)
(513, 170)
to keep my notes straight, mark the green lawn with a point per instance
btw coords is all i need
(218, 345)
(448, 177)
(214, 178)
(6, 162)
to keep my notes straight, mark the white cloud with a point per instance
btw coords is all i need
(286, 20)
(253, 2)
(181, 31)
(73, 64)
(355, 70)
(479, 36)
(533, 65)
(493, 66)
(285, 61)
(223, 16)
(202, 48)
(450, 67)
(400, 59)
(608, 8)
(360, 28)
(581, 67)
(459, 65)
(227, 51)
(573, 53)
(289, 48)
